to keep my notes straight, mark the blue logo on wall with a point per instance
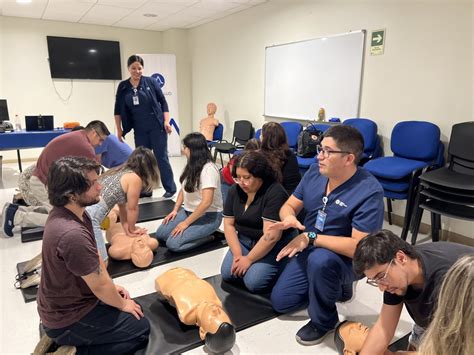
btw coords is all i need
(159, 78)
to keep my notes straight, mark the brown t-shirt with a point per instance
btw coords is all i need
(69, 252)
(74, 144)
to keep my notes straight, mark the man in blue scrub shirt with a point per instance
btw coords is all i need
(343, 204)
(113, 152)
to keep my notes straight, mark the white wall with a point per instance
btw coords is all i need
(26, 83)
(425, 74)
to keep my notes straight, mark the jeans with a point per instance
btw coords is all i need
(262, 274)
(314, 278)
(157, 140)
(97, 213)
(224, 189)
(104, 330)
(195, 235)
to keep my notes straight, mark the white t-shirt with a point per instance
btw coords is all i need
(210, 178)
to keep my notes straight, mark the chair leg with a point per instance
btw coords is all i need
(435, 226)
(416, 224)
(412, 193)
(389, 210)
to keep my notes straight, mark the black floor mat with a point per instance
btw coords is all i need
(31, 234)
(170, 336)
(118, 268)
(151, 211)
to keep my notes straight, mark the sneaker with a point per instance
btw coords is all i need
(8, 216)
(168, 194)
(43, 345)
(310, 334)
(348, 292)
(65, 350)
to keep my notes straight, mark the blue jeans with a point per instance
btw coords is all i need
(314, 278)
(195, 235)
(157, 140)
(104, 330)
(224, 189)
(97, 213)
(262, 274)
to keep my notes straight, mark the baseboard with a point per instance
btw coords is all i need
(425, 228)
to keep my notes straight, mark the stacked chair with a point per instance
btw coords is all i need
(449, 191)
(368, 129)
(243, 132)
(217, 136)
(416, 147)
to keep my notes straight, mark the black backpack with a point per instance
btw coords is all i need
(308, 141)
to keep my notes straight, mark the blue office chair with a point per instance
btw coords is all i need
(368, 129)
(305, 163)
(416, 147)
(217, 135)
(292, 130)
(258, 133)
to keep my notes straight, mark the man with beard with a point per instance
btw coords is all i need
(78, 303)
(407, 274)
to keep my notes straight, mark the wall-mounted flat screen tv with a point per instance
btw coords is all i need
(78, 58)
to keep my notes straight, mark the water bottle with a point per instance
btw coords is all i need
(17, 123)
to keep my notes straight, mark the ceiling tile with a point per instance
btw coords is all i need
(66, 10)
(104, 15)
(32, 10)
(127, 4)
(162, 10)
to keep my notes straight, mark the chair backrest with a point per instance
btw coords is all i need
(368, 129)
(258, 133)
(218, 133)
(243, 131)
(418, 140)
(461, 147)
(292, 130)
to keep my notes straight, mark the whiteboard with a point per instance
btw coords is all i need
(301, 77)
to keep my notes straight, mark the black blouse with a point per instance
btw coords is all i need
(266, 205)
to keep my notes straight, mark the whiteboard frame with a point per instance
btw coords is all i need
(364, 38)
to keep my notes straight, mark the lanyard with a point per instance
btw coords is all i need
(325, 202)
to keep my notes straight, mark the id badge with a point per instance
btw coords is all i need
(135, 100)
(320, 220)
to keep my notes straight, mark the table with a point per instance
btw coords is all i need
(16, 140)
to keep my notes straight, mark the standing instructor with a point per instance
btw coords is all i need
(140, 105)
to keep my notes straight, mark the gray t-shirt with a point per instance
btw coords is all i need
(436, 259)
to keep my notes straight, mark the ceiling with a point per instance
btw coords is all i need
(152, 15)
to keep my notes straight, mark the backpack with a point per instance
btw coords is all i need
(308, 141)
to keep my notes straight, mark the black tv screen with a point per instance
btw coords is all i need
(78, 58)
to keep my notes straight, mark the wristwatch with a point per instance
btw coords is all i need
(312, 236)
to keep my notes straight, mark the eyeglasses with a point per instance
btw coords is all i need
(244, 180)
(101, 138)
(327, 152)
(380, 280)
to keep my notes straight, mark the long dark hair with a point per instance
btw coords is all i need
(275, 146)
(199, 155)
(142, 162)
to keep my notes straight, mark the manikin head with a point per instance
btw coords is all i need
(142, 251)
(215, 327)
(349, 337)
(211, 109)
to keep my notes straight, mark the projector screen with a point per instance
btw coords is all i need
(301, 77)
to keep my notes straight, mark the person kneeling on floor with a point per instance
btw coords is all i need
(78, 303)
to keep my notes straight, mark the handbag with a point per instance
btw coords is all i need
(308, 141)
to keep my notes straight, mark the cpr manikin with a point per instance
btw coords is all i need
(197, 304)
(349, 337)
(208, 124)
(122, 247)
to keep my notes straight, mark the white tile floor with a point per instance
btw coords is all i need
(19, 320)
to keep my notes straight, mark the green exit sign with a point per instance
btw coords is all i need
(377, 42)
